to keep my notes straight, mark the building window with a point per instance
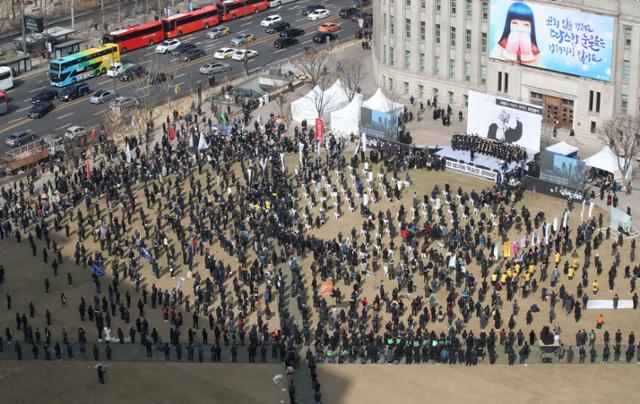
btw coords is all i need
(422, 62)
(420, 91)
(405, 88)
(467, 71)
(626, 69)
(506, 83)
(392, 24)
(407, 27)
(437, 33)
(423, 30)
(436, 66)
(454, 7)
(597, 101)
(590, 100)
(468, 39)
(593, 127)
(452, 69)
(452, 36)
(407, 60)
(624, 103)
(499, 82)
(434, 91)
(627, 36)
(423, 3)
(384, 23)
(391, 56)
(469, 8)
(485, 10)
(484, 42)
(450, 97)
(438, 5)
(408, 3)
(390, 83)
(483, 74)
(466, 100)
(384, 54)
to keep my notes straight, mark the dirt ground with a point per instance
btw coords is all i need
(355, 384)
(77, 382)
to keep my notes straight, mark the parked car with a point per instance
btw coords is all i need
(117, 69)
(347, 12)
(182, 48)
(242, 54)
(74, 91)
(101, 96)
(218, 32)
(20, 137)
(133, 72)
(318, 14)
(330, 27)
(167, 46)
(308, 9)
(242, 39)
(291, 32)
(224, 53)
(270, 20)
(277, 27)
(157, 78)
(323, 37)
(191, 54)
(73, 131)
(217, 67)
(122, 102)
(40, 109)
(282, 43)
(44, 95)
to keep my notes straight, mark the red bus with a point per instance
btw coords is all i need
(136, 37)
(232, 9)
(185, 23)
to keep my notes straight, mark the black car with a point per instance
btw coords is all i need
(306, 10)
(191, 54)
(361, 3)
(180, 49)
(40, 109)
(291, 32)
(44, 95)
(74, 91)
(282, 43)
(348, 12)
(277, 27)
(323, 37)
(133, 72)
(157, 78)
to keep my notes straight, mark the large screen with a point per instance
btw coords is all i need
(551, 38)
(562, 170)
(381, 125)
(504, 119)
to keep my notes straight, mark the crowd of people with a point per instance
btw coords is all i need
(510, 153)
(239, 217)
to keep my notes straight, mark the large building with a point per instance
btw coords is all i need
(577, 59)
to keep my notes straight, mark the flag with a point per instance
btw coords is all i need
(127, 152)
(145, 254)
(363, 138)
(50, 194)
(97, 270)
(221, 118)
(171, 133)
(87, 170)
(506, 249)
(202, 143)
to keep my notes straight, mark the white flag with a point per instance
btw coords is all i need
(127, 152)
(582, 210)
(282, 161)
(555, 223)
(202, 143)
(249, 172)
(363, 138)
(565, 219)
(191, 140)
(300, 152)
(591, 205)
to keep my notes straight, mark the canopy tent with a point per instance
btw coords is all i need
(330, 99)
(564, 149)
(380, 102)
(607, 160)
(347, 120)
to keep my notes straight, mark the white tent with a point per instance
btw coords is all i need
(332, 99)
(347, 120)
(564, 149)
(607, 160)
(380, 102)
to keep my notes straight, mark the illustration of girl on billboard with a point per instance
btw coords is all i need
(518, 41)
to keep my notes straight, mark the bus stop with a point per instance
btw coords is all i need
(18, 64)
(66, 48)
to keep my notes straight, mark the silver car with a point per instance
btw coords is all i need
(124, 102)
(101, 96)
(211, 68)
(218, 32)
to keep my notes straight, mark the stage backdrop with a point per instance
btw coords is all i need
(562, 170)
(503, 119)
(381, 125)
(552, 38)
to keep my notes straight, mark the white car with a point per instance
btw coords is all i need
(242, 54)
(224, 53)
(270, 20)
(318, 14)
(167, 46)
(74, 131)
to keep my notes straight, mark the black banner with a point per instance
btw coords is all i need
(33, 23)
(551, 189)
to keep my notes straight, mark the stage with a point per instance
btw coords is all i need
(482, 166)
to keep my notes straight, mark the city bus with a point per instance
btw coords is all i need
(6, 78)
(83, 65)
(185, 23)
(135, 37)
(232, 9)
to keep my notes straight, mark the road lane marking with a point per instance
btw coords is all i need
(63, 126)
(246, 23)
(180, 75)
(173, 60)
(149, 53)
(199, 42)
(100, 112)
(64, 116)
(104, 82)
(178, 84)
(23, 109)
(27, 100)
(14, 120)
(280, 50)
(34, 90)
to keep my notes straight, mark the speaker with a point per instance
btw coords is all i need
(404, 137)
(534, 169)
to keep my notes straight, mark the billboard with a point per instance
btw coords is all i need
(551, 38)
(503, 119)
(381, 125)
(558, 191)
(562, 170)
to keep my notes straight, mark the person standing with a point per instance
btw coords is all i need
(101, 372)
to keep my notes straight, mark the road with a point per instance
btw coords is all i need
(185, 74)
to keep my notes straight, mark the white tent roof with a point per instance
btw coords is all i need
(304, 107)
(380, 102)
(347, 120)
(563, 148)
(607, 160)
(332, 99)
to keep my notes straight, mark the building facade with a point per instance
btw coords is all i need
(442, 48)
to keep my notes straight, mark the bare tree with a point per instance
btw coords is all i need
(284, 106)
(113, 124)
(319, 95)
(315, 65)
(351, 75)
(393, 102)
(622, 135)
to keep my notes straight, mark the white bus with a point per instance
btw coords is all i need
(278, 3)
(6, 78)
